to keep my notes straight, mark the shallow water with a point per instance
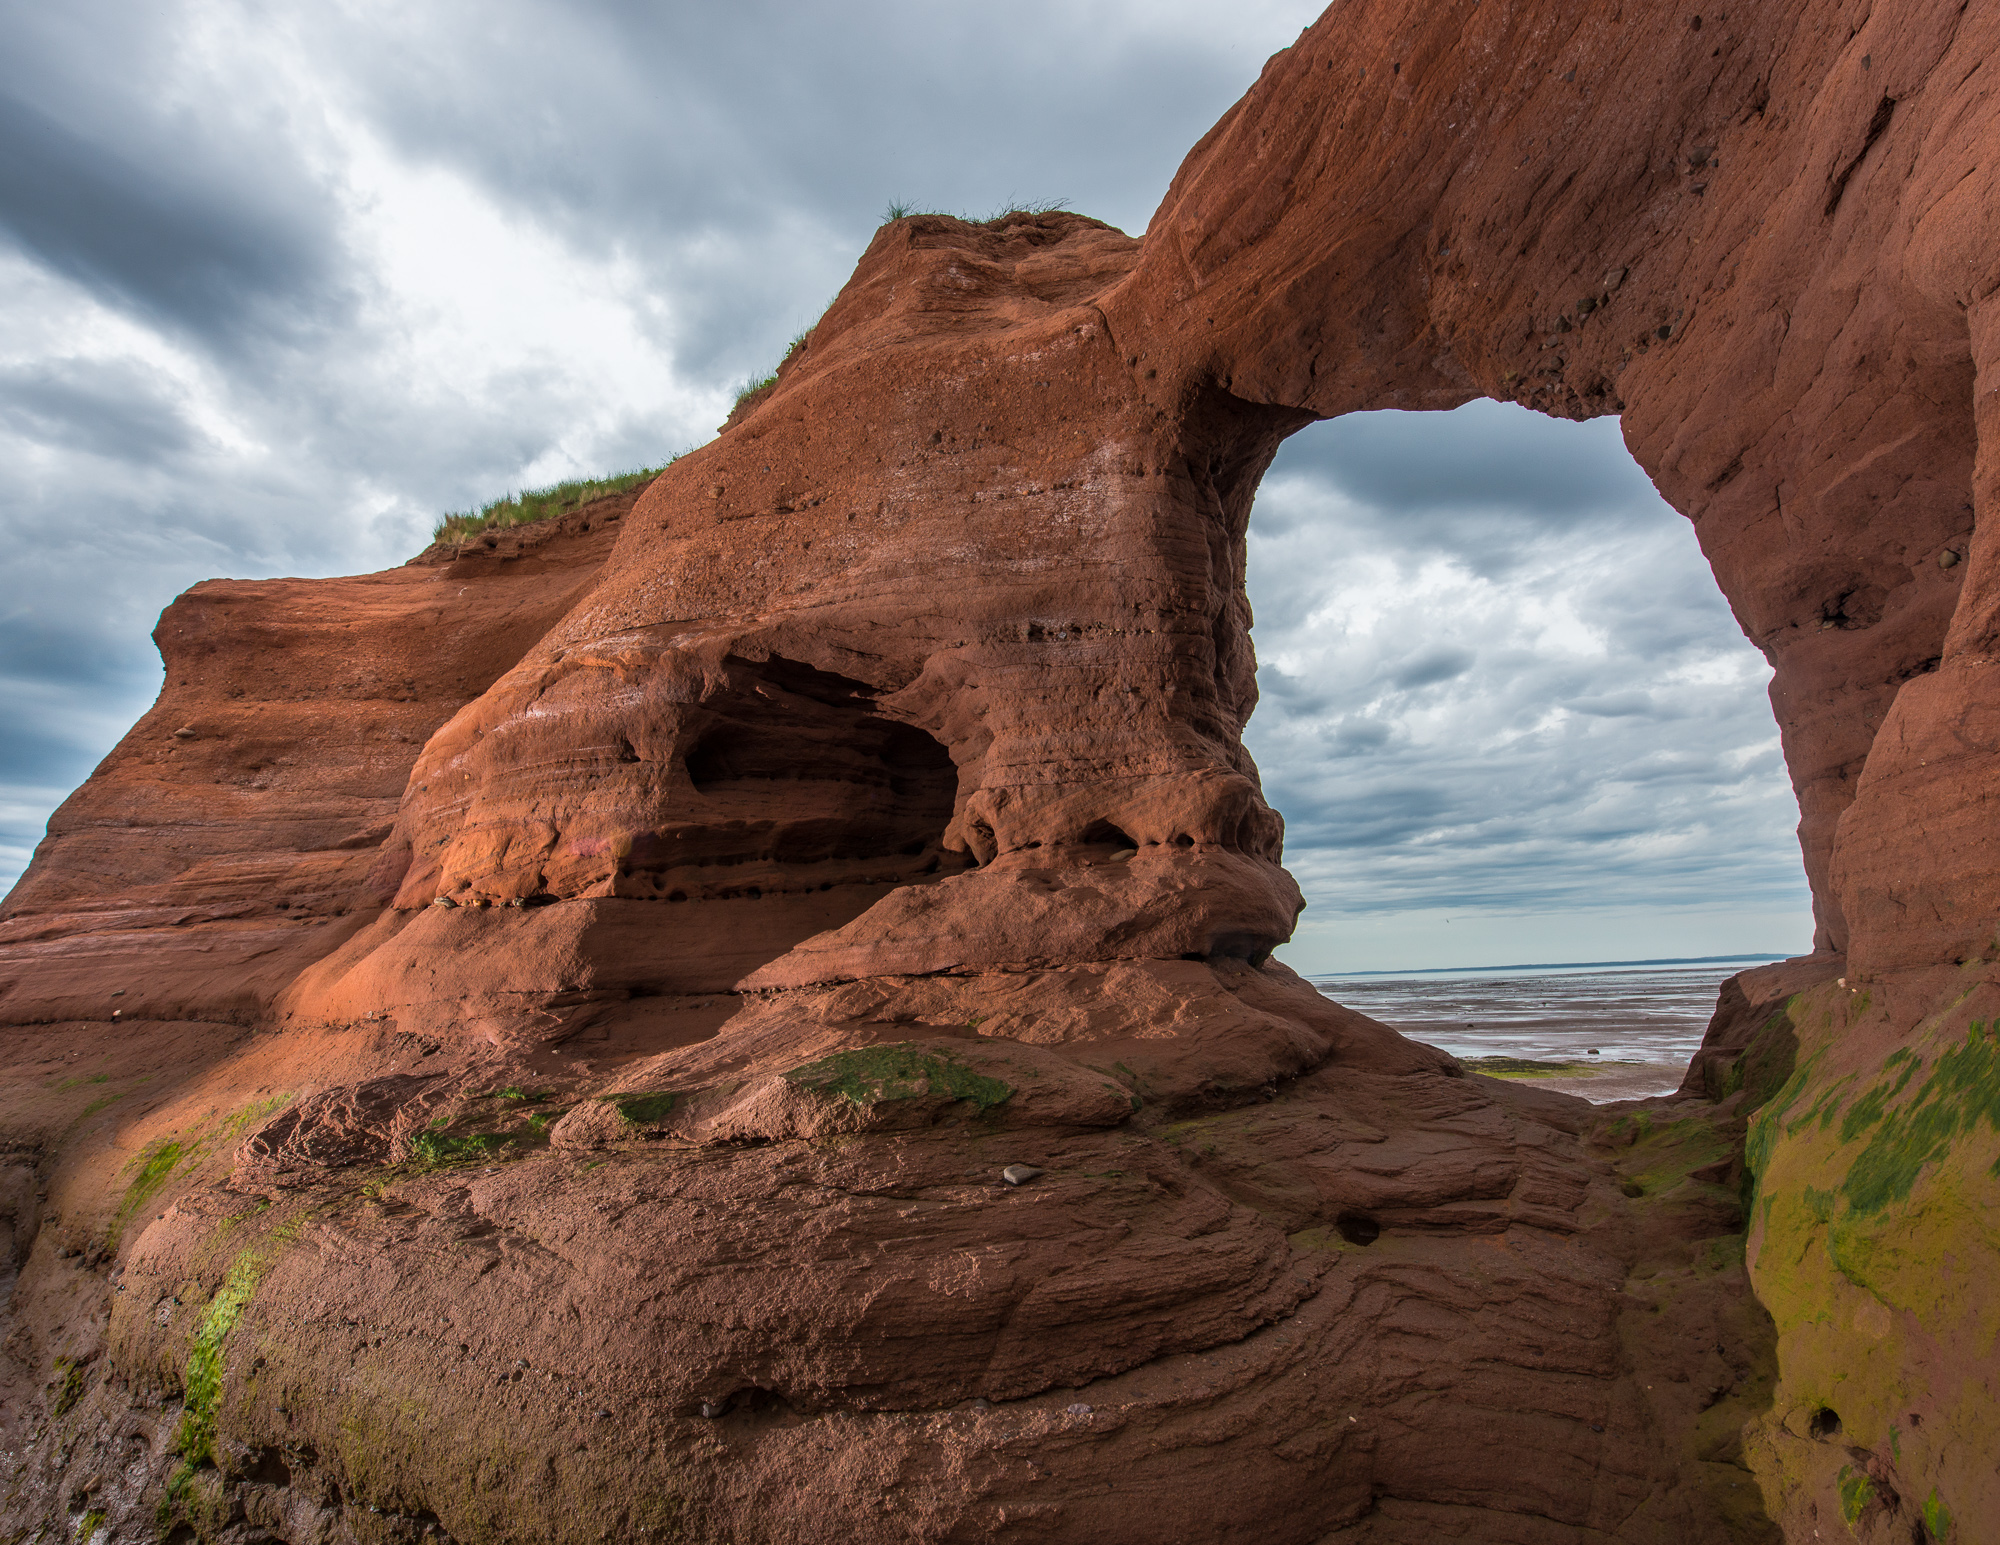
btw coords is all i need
(1650, 1019)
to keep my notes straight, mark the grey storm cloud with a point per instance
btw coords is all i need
(105, 408)
(280, 286)
(206, 228)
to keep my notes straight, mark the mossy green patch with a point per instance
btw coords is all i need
(195, 1438)
(86, 1531)
(155, 1163)
(515, 1094)
(1856, 1492)
(1962, 1091)
(161, 1160)
(240, 1120)
(1769, 1124)
(1526, 1067)
(1667, 1153)
(1937, 1517)
(874, 1075)
(1878, 1241)
(645, 1110)
(68, 1386)
(1767, 1062)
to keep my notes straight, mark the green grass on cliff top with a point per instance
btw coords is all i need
(533, 504)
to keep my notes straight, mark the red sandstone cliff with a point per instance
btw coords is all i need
(589, 990)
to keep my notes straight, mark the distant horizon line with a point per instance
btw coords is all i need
(1553, 965)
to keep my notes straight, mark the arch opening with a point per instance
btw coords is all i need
(1503, 706)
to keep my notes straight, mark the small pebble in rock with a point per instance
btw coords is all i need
(1019, 1174)
(444, 901)
(982, 1404)
(1594, 1427)
(185, 732)
(602, 1415)
(713, 1408)
(1593, 1051)
(1079, 1410)
(1124, 854)
(1947, 559)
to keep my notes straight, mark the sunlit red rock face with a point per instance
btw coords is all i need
(235, 835)
(617, 1152)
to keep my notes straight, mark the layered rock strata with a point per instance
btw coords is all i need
(584, 1116)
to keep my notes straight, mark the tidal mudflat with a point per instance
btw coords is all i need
(1606, 1033)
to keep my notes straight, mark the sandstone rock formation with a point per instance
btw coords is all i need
(576, 1000)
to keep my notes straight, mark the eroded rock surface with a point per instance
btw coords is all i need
(577, 1000)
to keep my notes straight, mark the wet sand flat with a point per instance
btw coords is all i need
(1641, 1023)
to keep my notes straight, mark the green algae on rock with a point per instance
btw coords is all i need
(1876, 1224)
(874, 1075)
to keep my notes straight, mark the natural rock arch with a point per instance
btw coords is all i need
(1002, 491)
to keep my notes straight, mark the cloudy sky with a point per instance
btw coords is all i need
(279, 284)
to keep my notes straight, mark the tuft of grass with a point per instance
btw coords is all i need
(514, 1092)
(765, 383)
(752, 388)
(533, 504)
(433, 1147)
(899, 210)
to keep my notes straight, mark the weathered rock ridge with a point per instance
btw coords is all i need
(575, 995)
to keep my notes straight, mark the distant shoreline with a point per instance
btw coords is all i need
(1547, 965)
